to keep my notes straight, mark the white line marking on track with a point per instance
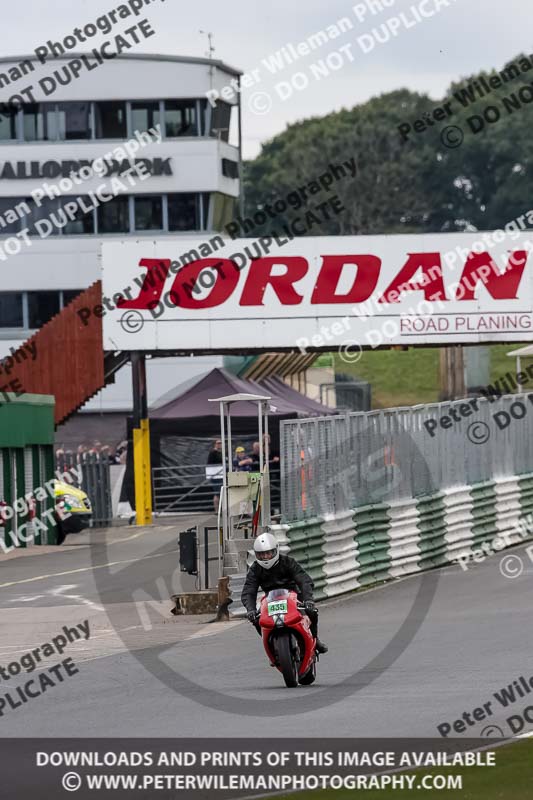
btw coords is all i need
(59, 591)
(70, 549)
(26, 599)
(85, 569)
(209, 631)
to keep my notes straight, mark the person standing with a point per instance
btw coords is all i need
(214, 459)
(241, 462)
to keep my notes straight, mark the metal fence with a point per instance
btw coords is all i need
(183, 489)
(95, 482)
(332, 464)
(186, 490)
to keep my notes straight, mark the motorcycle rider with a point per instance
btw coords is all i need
(271, 570)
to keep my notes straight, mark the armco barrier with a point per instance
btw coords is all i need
(377, 543)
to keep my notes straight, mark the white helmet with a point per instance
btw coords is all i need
(266, 550)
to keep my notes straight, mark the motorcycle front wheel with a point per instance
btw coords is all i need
(287, 662)
(309, 677)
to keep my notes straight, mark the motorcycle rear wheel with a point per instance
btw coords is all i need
(287, 661)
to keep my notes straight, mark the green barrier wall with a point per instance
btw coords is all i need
(26, 464)
(370, 544)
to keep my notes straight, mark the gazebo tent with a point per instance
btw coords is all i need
(184, 424)
(193, 401)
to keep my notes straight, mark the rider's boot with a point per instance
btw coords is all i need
(321, 647)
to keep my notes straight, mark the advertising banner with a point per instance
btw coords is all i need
(316, 293)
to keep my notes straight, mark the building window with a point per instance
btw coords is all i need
(69, 295)
(230, 168)
(224, 210)
(114, 216)
(180, 118)
(203, 117)
(8, 123)
(40, 122)
(10, 209)
(110, 120)
(221, 121)
(83, 222)
(74, 121)
(149, 213)
(38, 222)
(183, 212)
(41, 308)
(11, 315)
(144, 115)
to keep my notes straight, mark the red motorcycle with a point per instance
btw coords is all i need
(287, 638)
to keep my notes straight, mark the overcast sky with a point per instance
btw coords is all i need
(458, 40)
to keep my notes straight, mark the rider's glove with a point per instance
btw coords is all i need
(309, 605)
(251, 615)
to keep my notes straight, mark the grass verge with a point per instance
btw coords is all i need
(510, 779)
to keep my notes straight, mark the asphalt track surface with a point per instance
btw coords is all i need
(474, 639)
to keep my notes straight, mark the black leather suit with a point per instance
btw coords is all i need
(286, 574)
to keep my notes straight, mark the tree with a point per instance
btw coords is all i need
(418, 185)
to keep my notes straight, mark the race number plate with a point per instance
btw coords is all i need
(277, 607)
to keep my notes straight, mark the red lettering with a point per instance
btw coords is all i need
(225, 273)
(259, 277)
(500, 285)
(154, 280)
(431, 282)
(330, 272)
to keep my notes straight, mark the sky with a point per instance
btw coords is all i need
(458, 39)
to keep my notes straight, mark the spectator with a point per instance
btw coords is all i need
(215, 454)
(121, 453)
(106, 451)
(273, 456)
(60, 459)
(254, 455)
(274, 470)
(214, 459)
(241, 462)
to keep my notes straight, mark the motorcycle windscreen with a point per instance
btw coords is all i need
(277, 600)
(276, 594)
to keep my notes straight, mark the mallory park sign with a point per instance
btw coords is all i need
(37, 170)
(317, 292)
